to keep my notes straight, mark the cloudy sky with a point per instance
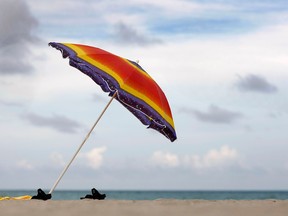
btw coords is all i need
(223, 65)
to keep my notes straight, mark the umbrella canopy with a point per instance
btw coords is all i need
(127, 80)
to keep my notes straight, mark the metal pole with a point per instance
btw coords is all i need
(79, 148)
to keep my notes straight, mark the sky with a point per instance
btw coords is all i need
(223, 65)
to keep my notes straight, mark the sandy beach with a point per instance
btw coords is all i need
(156, 207)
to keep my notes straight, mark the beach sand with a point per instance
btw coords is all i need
(142, 207)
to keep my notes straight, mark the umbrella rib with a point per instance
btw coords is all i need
(161, 125)
(128, 105)
(79, 148)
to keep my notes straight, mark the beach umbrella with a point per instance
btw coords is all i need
(125, 81)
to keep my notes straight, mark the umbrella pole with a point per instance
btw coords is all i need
(79, 148)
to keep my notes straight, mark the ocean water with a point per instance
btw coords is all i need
(154, 195)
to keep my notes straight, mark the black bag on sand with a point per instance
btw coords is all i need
(95, 195)
(42, 195)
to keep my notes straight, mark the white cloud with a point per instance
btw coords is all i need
(216, 60)
(165, 159)
(224, 157)
(24, 164)
(95, 157)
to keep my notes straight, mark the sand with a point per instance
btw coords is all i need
(139, 208)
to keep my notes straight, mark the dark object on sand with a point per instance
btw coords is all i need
(95, 195)
(42, 195)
